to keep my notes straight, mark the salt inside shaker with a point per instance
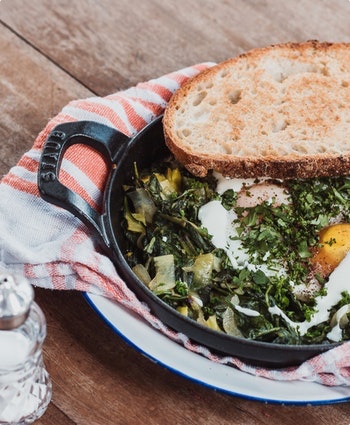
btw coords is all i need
(25, 385)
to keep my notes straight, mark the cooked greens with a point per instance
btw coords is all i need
(174, 256)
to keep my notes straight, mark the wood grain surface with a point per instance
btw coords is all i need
(54, 52)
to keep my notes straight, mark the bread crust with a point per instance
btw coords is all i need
(279, 111)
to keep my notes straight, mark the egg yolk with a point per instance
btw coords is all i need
(334, 245)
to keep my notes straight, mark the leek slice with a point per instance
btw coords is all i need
(164, 279)
(202, 269)
(143, 204)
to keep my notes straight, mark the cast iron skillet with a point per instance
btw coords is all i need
(145, 148)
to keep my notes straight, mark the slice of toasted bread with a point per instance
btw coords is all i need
(281, 111)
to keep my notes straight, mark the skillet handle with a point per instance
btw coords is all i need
(106, 140)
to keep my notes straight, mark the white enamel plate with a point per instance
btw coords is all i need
(175, 357)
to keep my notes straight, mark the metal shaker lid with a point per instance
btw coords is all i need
(16, 297)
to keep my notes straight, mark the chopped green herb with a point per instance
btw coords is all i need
(174, 255)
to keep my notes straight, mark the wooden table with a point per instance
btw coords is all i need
(53, 52)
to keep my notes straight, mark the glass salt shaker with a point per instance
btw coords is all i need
(25, 385)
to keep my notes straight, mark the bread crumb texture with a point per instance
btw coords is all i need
(283, 102)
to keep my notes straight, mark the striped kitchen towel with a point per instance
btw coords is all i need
(53, 249)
